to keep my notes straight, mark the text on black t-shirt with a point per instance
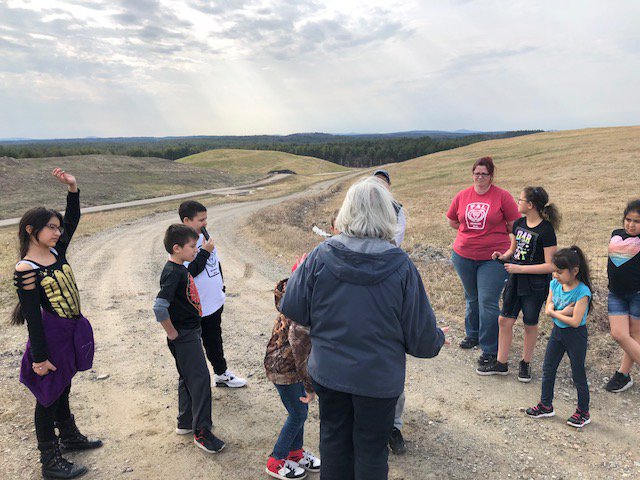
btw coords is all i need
(531, 241)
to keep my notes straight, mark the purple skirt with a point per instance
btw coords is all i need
(70, 348)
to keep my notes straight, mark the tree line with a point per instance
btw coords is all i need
(347, 150)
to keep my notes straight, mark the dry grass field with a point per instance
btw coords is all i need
(590, 174)
(259, 162)
(105, 179)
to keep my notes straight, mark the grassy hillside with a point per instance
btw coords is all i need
(103, 179)
(248, 162)
(589, 174)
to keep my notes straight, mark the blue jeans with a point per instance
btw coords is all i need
(574, 342)
(292, 434)
(483, 281)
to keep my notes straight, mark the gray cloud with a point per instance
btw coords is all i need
(464, 63)
(293, 29)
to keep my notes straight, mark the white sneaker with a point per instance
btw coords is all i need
(183, 431)
(229, 379)
(309, 462)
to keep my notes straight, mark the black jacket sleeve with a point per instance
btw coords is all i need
(29, 297)
(197, 266)
(70, 221)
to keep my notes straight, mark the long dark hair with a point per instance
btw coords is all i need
(570, 258)
(539, 197)
(38, 218)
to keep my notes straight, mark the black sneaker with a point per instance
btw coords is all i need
(579, 419)
(468, 343)
(208, 441)
(540, 411)
(493, 368)
(487, 358)
(524, 373)
(619, 383)
(396, 442)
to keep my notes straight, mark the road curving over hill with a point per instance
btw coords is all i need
(233, 190)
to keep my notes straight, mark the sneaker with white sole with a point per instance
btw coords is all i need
(493, 368)
(540, 411)
(619, 382)
(284, 469)
(184, 431)
(207, 441)
(579, 419)
(305, 459)
(524, 372)
(229, 379)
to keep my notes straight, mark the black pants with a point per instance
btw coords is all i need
(573, 341)
(212, 340)
(194, 385)
(354, 432)
(46, 416)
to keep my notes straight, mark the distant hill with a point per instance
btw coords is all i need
(103, 179)
(259, 162)
(358, 150)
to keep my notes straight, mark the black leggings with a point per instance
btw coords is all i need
(212, 341)
(46, 416)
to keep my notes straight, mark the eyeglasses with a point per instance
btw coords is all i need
(53, 226)
(481, 175)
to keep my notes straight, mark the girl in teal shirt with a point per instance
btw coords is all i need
(568, 304)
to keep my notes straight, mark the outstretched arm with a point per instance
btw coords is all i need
(72, 211)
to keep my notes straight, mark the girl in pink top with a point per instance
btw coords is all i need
(483, 215)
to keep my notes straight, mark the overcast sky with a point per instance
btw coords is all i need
(80, 68)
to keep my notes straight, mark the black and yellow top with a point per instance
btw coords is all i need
(56, 289)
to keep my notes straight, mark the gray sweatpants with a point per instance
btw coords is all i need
(194, 385)
(397, 420)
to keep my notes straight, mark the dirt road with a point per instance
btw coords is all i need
(458, 425)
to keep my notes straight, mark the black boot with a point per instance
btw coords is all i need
(71, 438)
(53, 465)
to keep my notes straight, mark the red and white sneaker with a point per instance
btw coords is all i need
(305, 459)
(284, 469)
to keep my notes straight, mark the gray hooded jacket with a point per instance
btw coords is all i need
(366, 305)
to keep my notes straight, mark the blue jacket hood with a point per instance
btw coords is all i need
(357, 267)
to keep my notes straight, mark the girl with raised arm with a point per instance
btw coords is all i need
(60, 337)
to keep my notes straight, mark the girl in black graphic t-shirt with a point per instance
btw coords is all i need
(623, 270)
(533, 243)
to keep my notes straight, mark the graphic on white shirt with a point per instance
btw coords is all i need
(476, 215)
(209, 282)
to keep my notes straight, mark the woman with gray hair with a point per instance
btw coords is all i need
(366, 305)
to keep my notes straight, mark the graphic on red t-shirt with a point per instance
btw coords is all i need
(476, 215)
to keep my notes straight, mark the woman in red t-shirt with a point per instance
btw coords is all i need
(483, 215)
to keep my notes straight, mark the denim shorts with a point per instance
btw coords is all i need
(625, 304)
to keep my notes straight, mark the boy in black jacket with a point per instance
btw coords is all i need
(177, 308)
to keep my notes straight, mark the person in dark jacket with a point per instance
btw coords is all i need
(366, 307)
